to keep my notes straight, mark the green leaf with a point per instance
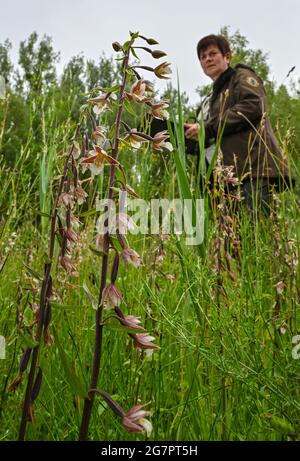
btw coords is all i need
(88, 213)
(27, 340)
(282, 425)
(46, 259)
(96, 252)
(90, 296)
(41, 213)
(83, 107)
(134, 53)
(129, 107)
(184, 185)
(111, 132)
(102, 407)
(115, 189)
(126, 45)
(118, 327)
(134, 35)
(111, 89)
(32, 272)
(116, 242)
(78, 387)
(179, 157)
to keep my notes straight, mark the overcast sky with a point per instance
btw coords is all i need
(90, 26)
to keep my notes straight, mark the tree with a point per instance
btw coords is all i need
(105, 74)
(6, 66)
(241, 53)
(37, 61)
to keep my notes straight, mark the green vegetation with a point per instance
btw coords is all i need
(224, 314)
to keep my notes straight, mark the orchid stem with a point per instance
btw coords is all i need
(88, 402)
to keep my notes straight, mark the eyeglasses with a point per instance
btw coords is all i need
(211, 54)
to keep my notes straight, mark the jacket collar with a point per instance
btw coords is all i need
(221, 81)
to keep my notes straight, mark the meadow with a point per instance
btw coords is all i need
(223, 315)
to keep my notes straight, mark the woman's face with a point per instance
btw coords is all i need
(213, 62)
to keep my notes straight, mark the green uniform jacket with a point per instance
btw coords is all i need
(238, 106)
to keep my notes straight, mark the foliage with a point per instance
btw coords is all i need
(224, 323)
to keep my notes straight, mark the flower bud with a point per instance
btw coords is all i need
(150, 41)
(117, 46)
(158, 54)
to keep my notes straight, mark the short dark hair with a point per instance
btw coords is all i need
(218, 40)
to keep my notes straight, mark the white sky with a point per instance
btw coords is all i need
(90, 26)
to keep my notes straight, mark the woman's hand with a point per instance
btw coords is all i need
(191, 130)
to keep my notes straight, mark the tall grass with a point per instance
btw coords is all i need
(225, 369)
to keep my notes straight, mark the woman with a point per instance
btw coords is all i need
(236, 111)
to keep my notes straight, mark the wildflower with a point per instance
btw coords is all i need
(130, 321)
(71, 235)
(163, 70)
(80, 194)
(280, 286)
(130, 190)
(134, 138)
(75, 221)
(139, 92)
(97, 159)
(134, 420)
(170, 277)
(143, 341)
(227, 175)
(158, 142)
(76, 150)
(131, 257)
(228, 219)
(161, 256)
(124, 223)
(100, 242)
(158, 110)
(99, 134)
(100, 103)
(66, 263)
(282, 328)
(111, 296)
(65, 199)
